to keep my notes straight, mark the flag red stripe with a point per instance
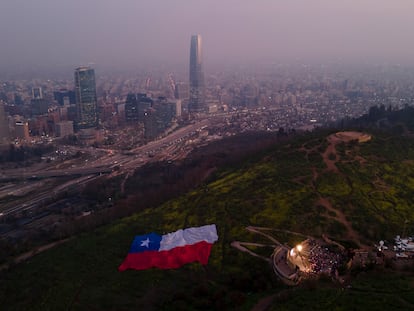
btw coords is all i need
(173, 258)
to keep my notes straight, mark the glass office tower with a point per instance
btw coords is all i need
(197, 87)
(86, 101)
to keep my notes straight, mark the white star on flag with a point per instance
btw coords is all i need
(145, 243)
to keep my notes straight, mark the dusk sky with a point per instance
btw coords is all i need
(125, 33)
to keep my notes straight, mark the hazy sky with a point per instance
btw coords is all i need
(52, 33)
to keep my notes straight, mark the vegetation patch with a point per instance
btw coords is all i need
(280, 189)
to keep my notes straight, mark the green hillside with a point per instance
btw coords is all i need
(358, 192)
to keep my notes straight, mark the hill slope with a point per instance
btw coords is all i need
(311, 184)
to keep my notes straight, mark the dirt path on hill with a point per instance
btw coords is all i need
(264, 303)
(331, 149)
(32, 253)
(340, 217)
(123, 182)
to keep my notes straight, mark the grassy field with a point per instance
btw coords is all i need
(370, 195)
(369, 291)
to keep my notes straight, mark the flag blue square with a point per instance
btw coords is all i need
(146, 242)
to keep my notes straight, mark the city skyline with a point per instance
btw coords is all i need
(283, 127)
(49, 35)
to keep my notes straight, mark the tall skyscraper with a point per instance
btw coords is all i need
(86, 101)
(197, 87)
(4, 126)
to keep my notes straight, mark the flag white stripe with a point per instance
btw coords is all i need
(189, 236)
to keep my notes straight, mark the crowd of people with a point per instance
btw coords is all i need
(322, 259)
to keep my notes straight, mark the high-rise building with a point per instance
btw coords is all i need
(86, 101)
(135, 107)
(197, 88)
(18, 100)
(166, 111)
(39, 106)
(131, 108)
(4, 126)
(37, 93)
(21, 130)
(151, 124)
(65, 97)
(64, 128)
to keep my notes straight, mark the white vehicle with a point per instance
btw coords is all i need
(406, 244)
(401, 255)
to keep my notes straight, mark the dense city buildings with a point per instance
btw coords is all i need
(135, 107)
(155, 115)
(261, 98)
(197, 83)
(86, 100)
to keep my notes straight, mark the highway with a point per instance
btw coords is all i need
(45, 196)
(82, 173)
(58, 173)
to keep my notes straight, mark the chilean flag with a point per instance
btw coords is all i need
(170, 250)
